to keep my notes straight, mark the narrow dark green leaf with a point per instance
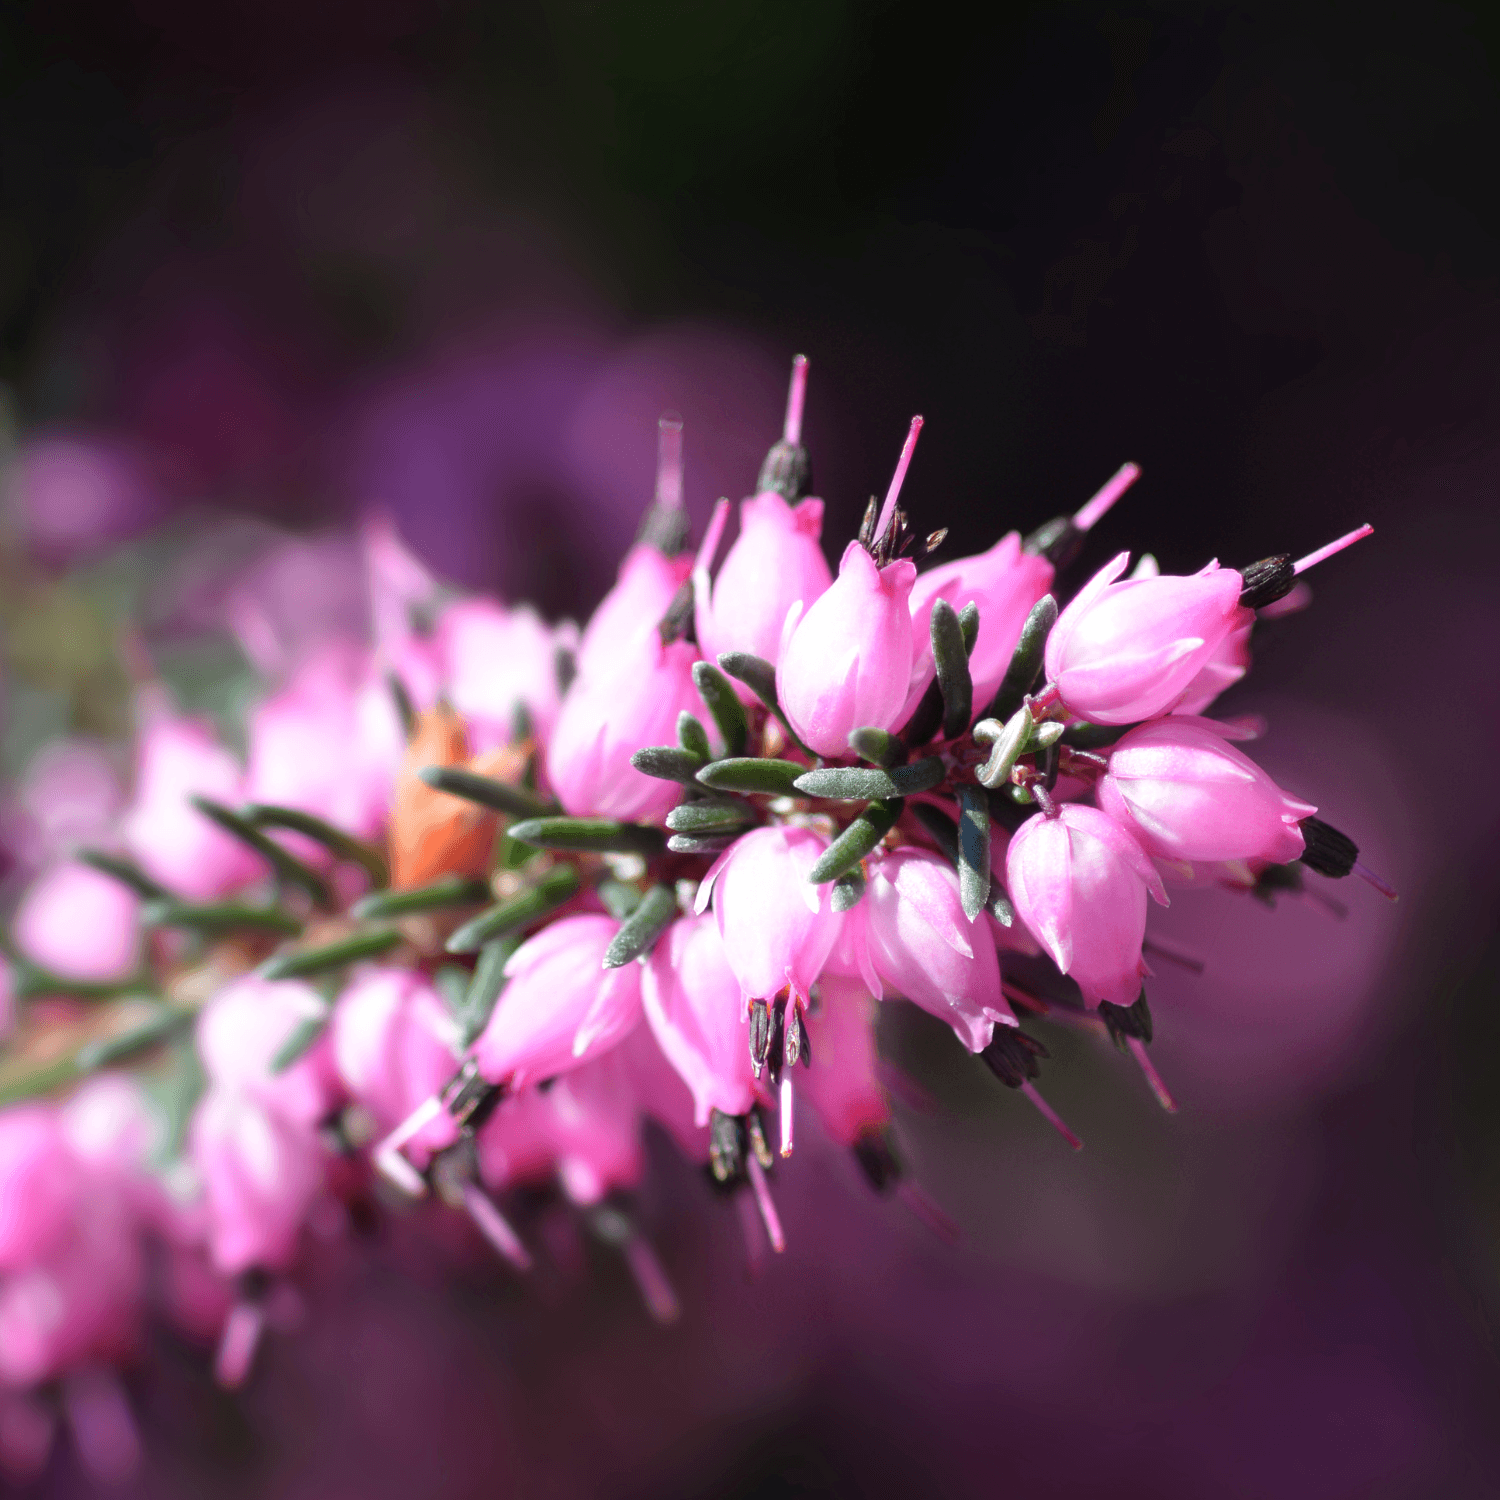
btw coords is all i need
(499, 796)
(127, 873)
(452, 983)
(335, 840)
(589, 835)
(1025, 662)
(850, 783)
(856, 841)
(848, 889)
(288, 868)
(300, 1041)
(693, 737)
(973, 849)
(999, 904)
(29, 980)
(39, 1081)
(558, 885)
(1094, 736)
(451, 890)
(484, 989)
(711, 816)
(952, 662)
(405, 709)
(878, 746)
(667, 763)
(942, 829)
(723, 703)
(639, 931)
(689, 843)
(220, 916)
(756, 673)
(1008, 743)
(332, 956)
(1043, 736)
(754, 775)
(968, 623)
(619, 897)
(151, 1032)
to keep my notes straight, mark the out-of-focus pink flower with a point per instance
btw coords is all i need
(843, 1084)
(80, 924)
(245, 1026)
(917, 940)
(1187, 795)
(630, 612)
(171, 839)
(40, 1180)
(607, 716)
(68, 795)
(1079, 883)
(776, 561)
(393, 1046)
(662, 1093)
(330, 743)
(1005, 583)
(778, 928)
(1130, 649)
(496, 660)
(692, 1002)
(73, 494)
(845, 660)
(261, 1173)
(561, 1005)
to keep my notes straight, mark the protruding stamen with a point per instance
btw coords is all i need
(104, 1431)
(1138, 1051)
(1092, 513)
(669, 462)
(495, 1227)
(791, 431)
(786, 1114)
(237, 1344)
(922, 1208)
(1368, 875)
(1050, 1115)
(651, 1277)
(1182, 957)
(1313, 558)
(755, 1254)
(902, 465)
(765, 1203)
(389, 1161)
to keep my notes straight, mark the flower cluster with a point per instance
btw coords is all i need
(487, 895)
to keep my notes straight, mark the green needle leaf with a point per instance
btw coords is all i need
(323, 960)
(848, 889)
(125, 872)
(640, 930)
(690, 843)
(589, 835)
(338, 843)
(723, 703)
(951, 659)
(220, 916)
(288, 868)
(499, 796)
(693, 737)
(850, 783)
(856, 841)
(878, 746)
(754, 775)
(1025, 662)
(557, 886)
(451, 890)
(302, 1037)
(667, 763)
(711, 815)
(973, 849)
(484, 989)
(151, 1032)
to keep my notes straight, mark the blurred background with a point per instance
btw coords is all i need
(272, 267)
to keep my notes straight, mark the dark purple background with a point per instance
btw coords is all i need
(454, 259)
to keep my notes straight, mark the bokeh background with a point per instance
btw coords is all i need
(270, 266)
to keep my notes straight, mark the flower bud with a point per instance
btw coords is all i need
(1079, 881)
(778, 928)
(775, 562)
(692, 1003)
(845, 659)
(1004, 583)
(607, 717)
(561, 1005)
(80, 924)
(1130, 649)
(1188, 795)
(630, 612)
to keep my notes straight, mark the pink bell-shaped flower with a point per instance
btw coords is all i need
(843, 1084)
(845, 659)
(776, 561)
(393, 1047)
(1130, 649)
(1004, 583)
(606, 717)
(630, 612)
(173, 842)
(1188, 795)
(561, 1005)
(778, 928)
(917, 941)
(79, 923)
(1079, 881)
(692, 1003)
(40, 1181)
(1228, 663)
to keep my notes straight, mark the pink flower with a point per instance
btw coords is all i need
(606, 717)
(1130, 650)
(845, 660)
(1005, 583)
(776, 562)
(1187, 795)
(1229, 662)
(496, 660)
(561, 1006)
(917, 940)
(393, 1046)
(40, 1181)
(171, 839)
(68, 795)
(80, 924)
(692, 1002)
(1079, 881)
(778, 928)
(630, 612)
(843, 1085)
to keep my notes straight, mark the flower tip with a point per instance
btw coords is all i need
(796, 397)
(1092, 513)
